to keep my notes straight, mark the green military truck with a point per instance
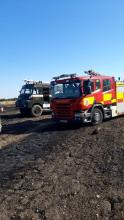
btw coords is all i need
(34, 98)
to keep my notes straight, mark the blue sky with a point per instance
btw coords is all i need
(42, 38)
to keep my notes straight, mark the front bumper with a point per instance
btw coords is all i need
(83, 116)
(22, 104)
(80, 117)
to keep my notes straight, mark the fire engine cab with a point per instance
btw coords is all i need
(91, 98)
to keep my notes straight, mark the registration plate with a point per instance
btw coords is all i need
(46, 105)
(64, 121)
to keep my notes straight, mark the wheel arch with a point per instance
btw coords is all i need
(99, 106)
(41, 105)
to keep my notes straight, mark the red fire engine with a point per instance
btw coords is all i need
(90, 98)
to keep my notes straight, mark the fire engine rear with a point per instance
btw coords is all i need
(90, 98)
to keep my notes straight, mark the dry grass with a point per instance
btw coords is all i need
(8, 103)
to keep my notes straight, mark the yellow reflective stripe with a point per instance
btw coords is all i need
(120, 95)
(88, 101)
(91, 100)
(107, 97)
(113, 100)
(119, 84)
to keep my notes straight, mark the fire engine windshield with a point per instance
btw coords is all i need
(27, 89)
(66, 90)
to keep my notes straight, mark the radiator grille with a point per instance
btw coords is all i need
(63, 111)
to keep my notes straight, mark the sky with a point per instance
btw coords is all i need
(40, 39)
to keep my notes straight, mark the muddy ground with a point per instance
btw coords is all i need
(61, 172)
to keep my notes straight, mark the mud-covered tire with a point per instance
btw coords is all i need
(97, 116)
(36, 110)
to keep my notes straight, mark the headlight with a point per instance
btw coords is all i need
(78, 114)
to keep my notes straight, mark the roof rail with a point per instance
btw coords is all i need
(65, 76)
(92, 73)
(32, 82)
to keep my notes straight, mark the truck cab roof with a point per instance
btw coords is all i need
(81, 78)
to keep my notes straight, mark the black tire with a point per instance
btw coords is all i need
(97, 116)
(36, 110)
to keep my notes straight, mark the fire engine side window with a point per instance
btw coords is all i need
(97, 84)
(88, 86)
(106, 85)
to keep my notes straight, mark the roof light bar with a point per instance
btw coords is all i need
(65, 76)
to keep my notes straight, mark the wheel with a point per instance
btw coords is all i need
(36, 110)
(97, 116)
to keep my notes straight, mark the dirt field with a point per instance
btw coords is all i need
(61, 172)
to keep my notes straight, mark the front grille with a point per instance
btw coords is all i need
(63, 111)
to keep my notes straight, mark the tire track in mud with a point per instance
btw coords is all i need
(17, 128)
(64, 172)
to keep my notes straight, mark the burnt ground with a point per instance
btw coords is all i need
(61, 172)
